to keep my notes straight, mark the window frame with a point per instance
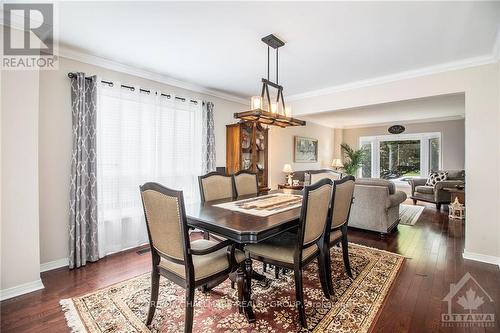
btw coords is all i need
(424, 139)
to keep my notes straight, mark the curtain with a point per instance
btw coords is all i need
(209, 162)
(142, 137)
(83, 230)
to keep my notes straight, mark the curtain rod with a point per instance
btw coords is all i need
(109, 83)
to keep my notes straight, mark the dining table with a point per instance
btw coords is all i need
(243, 228)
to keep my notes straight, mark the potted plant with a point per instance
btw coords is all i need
(353, 158)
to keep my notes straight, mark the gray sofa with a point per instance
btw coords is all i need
(376, 205)
(435, 194)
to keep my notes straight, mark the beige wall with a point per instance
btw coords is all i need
(20, 256)
(482, 137)
(281, 149)
(56, 142)
(452, 138)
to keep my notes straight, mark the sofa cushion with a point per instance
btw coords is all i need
(455, 174)
(425, 189)
(377, 182)
(435, 177)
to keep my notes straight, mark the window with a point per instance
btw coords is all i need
(141, 138)
(366, 168)
(397, 156)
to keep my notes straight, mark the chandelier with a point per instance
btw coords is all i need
(263, 110)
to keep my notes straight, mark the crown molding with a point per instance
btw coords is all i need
(66, 52)
(424, 71)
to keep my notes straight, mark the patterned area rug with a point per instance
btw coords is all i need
(409, 214)
(123, 306)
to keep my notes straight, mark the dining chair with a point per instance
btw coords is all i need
(245, 183)
(187, 264)
(342, 200)
(295, 250)
(215, 186)
(315, 175)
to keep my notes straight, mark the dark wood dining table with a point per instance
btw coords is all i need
(242, 229)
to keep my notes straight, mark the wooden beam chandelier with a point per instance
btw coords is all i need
(263, 110)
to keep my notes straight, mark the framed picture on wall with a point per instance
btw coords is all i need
(305, 150)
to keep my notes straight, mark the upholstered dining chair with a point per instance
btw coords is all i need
(215, 186)
(295, 250)
(245, 183)
(315, 175)
(342, 198)
(187, 264)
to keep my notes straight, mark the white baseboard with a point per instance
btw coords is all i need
(21, 289)
(53, 264)
(482, 258)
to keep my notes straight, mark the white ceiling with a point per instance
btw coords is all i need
(217, 45)
(428, 109)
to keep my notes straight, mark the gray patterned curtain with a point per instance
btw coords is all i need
(83, 187)
(208, 137)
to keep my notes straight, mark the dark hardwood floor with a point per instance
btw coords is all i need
(433, 247)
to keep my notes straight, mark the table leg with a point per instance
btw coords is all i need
(247, 306)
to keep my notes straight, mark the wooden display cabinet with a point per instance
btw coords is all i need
(247, 149)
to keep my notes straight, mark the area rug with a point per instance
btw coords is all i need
(123, 306)
(409, 214)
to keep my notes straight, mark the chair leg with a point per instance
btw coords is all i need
(155, 287)
(345, 255)
(438, 206)
(414, 201)
(264, 267)
(299, 296)
(188, 321)
(329, 272)
(323, 275)
(276, 272)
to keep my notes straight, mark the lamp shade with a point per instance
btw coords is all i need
(287, 168)
(337, 163)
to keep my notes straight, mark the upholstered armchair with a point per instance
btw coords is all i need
(436, 194)
(376, 205)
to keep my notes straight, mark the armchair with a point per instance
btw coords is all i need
(436, 194)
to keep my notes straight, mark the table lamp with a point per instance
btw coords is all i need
(287, 168)
(337, 163)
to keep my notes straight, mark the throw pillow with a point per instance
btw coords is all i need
(435, 177)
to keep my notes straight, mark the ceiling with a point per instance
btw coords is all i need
(419, 110)
(217, 45)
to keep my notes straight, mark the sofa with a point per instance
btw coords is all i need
(436, 194)
(376, 205)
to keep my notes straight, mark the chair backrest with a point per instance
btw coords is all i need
(215, 186)
(342, 200)
(377, 182)
(315, 215)
(166, 222)
(315, 175)
(245, 183)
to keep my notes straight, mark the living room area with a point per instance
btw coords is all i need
(250, 167)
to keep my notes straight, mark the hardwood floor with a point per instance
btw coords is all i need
(433, 247)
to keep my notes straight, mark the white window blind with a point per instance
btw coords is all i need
(141, 138)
